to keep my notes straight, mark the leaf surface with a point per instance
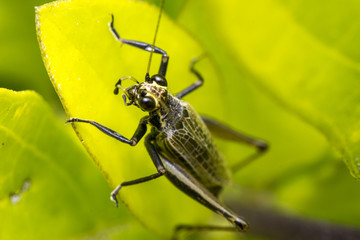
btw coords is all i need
(282, 72)
(84, 62)
(50, 188)
(290, 76)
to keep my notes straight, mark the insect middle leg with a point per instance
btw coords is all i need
(144, 46)
(222, 131)
(157, 162)
(196, 84)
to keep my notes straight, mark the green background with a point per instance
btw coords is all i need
(285, 71)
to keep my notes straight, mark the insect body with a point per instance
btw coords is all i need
(187, 142)
(180, 143)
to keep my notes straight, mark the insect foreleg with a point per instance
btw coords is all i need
(222, 131)
(142, 45)
(196, 84)
(139, 133)
(158, 164)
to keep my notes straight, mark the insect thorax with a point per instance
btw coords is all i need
(167, 115)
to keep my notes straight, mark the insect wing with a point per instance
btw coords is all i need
(191, 146)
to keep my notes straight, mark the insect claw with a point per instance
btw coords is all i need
(114, 199)
(113, 31)
(111, 24)
(113, 195)
(71, 120)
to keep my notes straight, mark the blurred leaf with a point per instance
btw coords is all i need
(49, 187)
(84, 62)
(21, 67)
(172, 8)
(306, 65)
(296, 59)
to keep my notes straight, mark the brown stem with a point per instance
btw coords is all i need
(274, 225)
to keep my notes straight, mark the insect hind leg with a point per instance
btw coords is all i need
(196, 190)
(222, 131)
(142, 45)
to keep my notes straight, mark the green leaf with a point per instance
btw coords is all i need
(280, 75)
(293, 56)
(49, 187)
(85, 61)
(290, 75)
(21, 66)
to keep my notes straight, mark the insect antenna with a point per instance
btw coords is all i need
(153, 43)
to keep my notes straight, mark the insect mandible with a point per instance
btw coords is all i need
(180, 142)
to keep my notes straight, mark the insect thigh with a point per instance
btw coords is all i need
(193, 188)
(222, 131)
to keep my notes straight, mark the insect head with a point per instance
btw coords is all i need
(148, 95)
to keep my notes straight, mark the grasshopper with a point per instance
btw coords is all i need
(180, 143)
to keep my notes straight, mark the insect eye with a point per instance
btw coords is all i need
(159, 79)
(147, 103)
